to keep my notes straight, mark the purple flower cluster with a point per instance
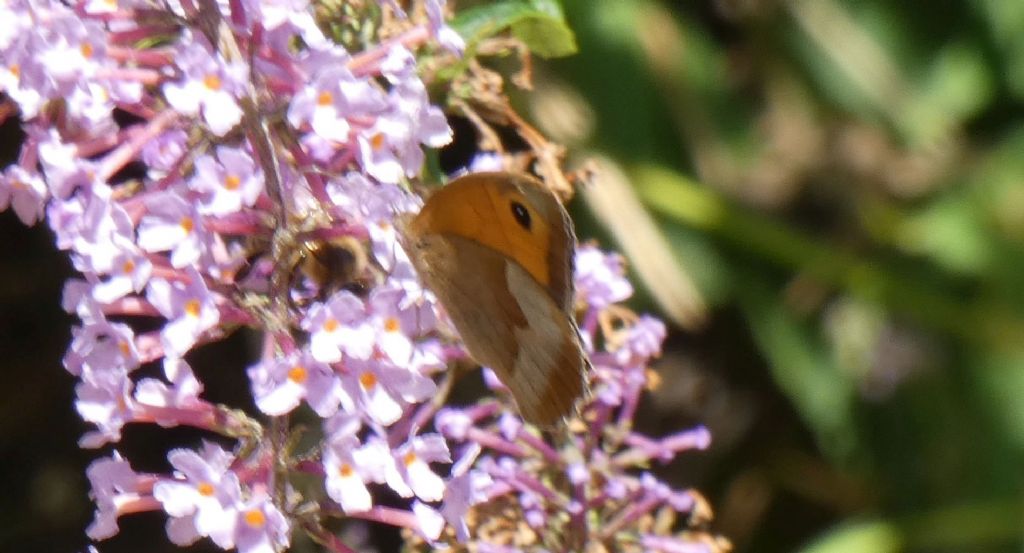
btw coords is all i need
(257, 134)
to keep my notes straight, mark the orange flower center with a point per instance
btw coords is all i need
(325, 99)
(124, 348)
(368, 380)
(128, 266)
(377, 141)
(255, 518)
(345, 470)
(409, 458)
(187, 224)
(15, 70)
(298, 374)
(205, 489)
(232, 182)
(192, 307)
(330, 325)
(212, 82)
(86, 50)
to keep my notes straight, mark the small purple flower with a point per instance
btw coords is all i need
(182, 394)
(173, 224)
(190, 309)
(600, 278)
(642, 342)
(24, 192)
(162, 153)
(65, 171)
(129, 272)
(465, 489)
(446, 36)
(279, 384)
(98, 346)
(105, 400)
(336, 329)
(390, 149)
(350, 466)
(228, 182)
(410, 474)
(75, 49)
(333, 98)
(260, 526)
(210, 86)
(202, 494)
(381, 389)
(105, 233)
(116, 489)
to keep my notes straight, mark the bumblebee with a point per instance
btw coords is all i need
(330, 265)
(305, 268)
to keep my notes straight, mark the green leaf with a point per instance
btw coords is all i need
(801, 367)
(540, 24)
(871, 535)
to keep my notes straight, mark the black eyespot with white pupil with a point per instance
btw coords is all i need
(521, 214)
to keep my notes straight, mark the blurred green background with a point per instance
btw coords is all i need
(844, 182)
(833, 218)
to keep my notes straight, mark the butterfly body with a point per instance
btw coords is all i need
(496, 249)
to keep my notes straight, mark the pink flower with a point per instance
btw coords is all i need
(229, 181)
(381, 389)
(260, 526)
(105, 400)
(24, 192)
(279, 384)
(349, 466)
(446, 36)
(465, 488)
(173, 224)
(210, 86)
(100, 346)
(333, 97)
(202, 494)
(336, 329)
(190, 309)
(600, 278)
(116, 490)
(409, 473)
(181, 395)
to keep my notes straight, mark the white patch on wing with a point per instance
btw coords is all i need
(540, 342)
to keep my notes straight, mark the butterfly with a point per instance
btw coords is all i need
(497, 250)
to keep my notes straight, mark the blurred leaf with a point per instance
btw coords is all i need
(538, 23)
(967, 527)
(870, 536)
(893, 285)
(1001, 380)
(949, 231)
(1006, 23)
(614, 202)
(802, 368)
(708, 267)
(956, 87)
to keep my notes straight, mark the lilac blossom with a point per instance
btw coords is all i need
(279, 384)
(258, 134)
(209, 85)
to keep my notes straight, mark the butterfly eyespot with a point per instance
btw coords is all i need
(521, 214)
